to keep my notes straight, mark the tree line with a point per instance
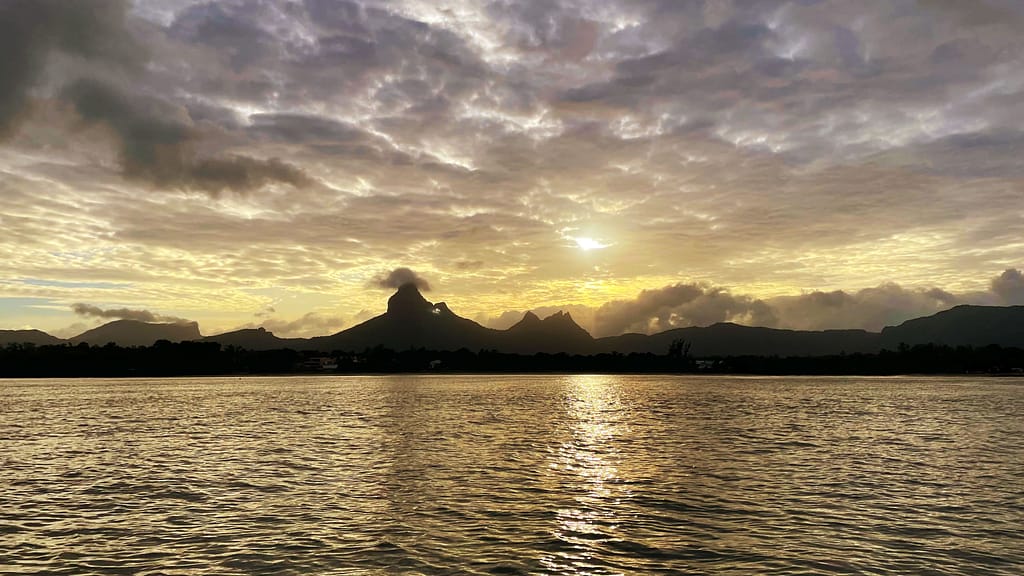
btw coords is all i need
(210, 358)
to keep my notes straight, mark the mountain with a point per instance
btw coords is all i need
(257, 339)
(135, 333)
(411, 322)
(556, 333)
(728, 339)
(961, 326)
(37, 337)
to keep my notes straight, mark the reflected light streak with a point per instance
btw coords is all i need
(588, 471)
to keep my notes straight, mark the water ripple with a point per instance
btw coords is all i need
(512, 475)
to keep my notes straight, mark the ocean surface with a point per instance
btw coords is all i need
(512, 475)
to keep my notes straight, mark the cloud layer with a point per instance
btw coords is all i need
(89, 310)
(215, 157)
(682, 305)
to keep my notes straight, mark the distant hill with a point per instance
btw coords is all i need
(257, 339)
(37, 337)
(728, 339)
(135, 333)
(961, 326)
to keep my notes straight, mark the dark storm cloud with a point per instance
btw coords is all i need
(799, 77)
(157, 138)
(157, 142)
(729, 57)
(327, 51)
(241, 173)
(400, 277)
(30, 30)
(89, 310)
(234, 31)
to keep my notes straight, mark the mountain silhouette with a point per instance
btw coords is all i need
(556, 333)
(411, 321)
(257, 339)
(37, 337)
(728, 339)
(135, 333)
(961, 326)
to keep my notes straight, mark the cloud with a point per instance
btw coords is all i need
(241, 173)
(468, 264)
(872, 309)
(676, 306)
(683, 305)
(30, 30)
(552, 28)
(502, 321)
(771, 144)
(1009, 286)
(310, 324)
(89, 310)
(400, 277)
(157, 139)
(157, 142)
(693, 304)
(71, 331)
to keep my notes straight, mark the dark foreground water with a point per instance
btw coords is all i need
(512, 475)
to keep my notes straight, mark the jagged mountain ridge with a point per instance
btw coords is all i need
(556, 333)
(410, 322)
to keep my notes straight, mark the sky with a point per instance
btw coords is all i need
(642, 164)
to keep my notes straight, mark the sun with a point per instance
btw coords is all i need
(585, 243)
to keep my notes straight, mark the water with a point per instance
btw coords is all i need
(512, 475)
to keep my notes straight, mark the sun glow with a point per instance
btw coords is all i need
(585, 243)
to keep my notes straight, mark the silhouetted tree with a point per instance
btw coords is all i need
(679, 348)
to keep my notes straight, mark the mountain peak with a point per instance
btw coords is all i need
(560, 317)
(558, 323)
(529, 321)
(408, 300)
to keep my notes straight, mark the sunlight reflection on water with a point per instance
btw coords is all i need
(595, 413)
